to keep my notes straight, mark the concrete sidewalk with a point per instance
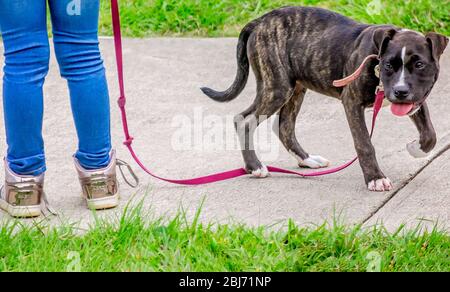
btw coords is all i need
(163, 77)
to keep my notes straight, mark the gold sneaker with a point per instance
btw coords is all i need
(100, 187)
(21, 195)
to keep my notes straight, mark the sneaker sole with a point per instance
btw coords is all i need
(104, 203)
(20, 211)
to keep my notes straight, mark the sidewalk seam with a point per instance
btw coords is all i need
(419, 171)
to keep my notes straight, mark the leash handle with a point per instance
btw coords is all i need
(222, 175)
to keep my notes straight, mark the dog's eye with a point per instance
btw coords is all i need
(420, 65)
(388, 66)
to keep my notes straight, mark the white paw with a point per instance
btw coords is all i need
(314, 161)
(380, 185)
(261, 172)
(414, 150)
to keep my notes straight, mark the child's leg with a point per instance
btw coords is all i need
(24, 31)
(75, 29)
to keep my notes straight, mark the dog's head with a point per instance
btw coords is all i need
(409, 66)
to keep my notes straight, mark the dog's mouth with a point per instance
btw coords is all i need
(403, 109)
(407, 108)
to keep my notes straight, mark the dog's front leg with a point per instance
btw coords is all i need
(427, 139)
(374, 177)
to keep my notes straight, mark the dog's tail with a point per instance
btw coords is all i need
(242, 71)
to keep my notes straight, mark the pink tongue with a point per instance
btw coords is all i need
(401, 109)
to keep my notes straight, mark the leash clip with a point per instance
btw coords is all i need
(377, 71)
(379, 88)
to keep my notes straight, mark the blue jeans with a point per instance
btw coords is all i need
(23, 25)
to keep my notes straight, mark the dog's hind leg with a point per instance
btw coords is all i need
(245, 124)
(267, 103)
(286, 131)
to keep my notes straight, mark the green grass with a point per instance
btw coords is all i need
(136, 243)
(214, 18)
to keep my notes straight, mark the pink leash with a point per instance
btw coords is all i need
(227, 174)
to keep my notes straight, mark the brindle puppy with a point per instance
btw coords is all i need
(293, 49)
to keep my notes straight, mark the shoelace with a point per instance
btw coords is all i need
(121, 164)
(47, 205)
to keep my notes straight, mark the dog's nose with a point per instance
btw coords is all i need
(401, 92)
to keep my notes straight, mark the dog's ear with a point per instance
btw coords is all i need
(381, 38)
(437, 43)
